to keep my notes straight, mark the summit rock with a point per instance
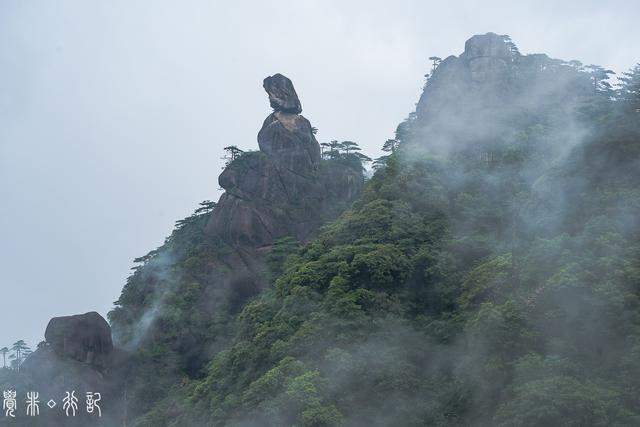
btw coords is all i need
(282, 95)
(283, 189)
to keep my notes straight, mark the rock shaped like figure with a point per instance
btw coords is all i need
(280, 190)
(282, 95)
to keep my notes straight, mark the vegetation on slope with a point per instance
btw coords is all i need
(458, 290)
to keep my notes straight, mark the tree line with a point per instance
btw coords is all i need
(15, 355)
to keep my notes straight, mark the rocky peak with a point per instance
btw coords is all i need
(286, 136)
(472, 98)
(487, 45)
(282, 95)
(82, 337)
(279, 190)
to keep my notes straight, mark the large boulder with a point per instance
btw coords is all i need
(83, 337)
(282, 95)
(78, 354)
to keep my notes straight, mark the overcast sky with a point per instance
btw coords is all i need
(113, 114)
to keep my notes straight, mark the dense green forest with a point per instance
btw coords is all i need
(493, 283)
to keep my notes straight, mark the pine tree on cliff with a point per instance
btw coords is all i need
(435, 61)
(231, 153)
(390, 146)
(600, 77)
(349, 146)
(4, 351)
(19, 348)
(334, 148)
(325, 147)
(629, 91)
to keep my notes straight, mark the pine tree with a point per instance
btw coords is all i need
(19, 348)
(600, 77)
(349, 146)
(231, 153)
(325, 147)
(4, 351)
(435, 61)
(390, 145)
(629, 91)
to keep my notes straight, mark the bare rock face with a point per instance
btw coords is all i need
(282, 95)
(83, 337)
(470, 100)
(487, 45)
(288, 139)
(280, 190)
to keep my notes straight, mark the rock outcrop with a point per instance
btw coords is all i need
(475, 97)
(282, 189)
(79, 355)
(282, 95)
(83, 337)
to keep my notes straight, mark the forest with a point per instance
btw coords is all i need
(487, 273)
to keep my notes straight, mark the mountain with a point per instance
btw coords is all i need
(486, 274)
(176, 311)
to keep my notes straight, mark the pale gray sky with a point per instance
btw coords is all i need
(113, 114)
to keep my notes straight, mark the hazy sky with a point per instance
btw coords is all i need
(113, 114)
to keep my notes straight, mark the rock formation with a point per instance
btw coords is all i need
(281, 189)
(478, 95)
(77, 354)
(83, 337)
(282, 95)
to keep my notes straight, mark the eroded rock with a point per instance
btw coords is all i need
(282, 95)
(83, 337)
(280, 190)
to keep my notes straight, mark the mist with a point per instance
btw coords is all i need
(114, 115)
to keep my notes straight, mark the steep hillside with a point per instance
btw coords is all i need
(176, 311)
(487, 276)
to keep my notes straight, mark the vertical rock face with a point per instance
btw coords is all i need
(477, 95)
(476, 79)
(488, 57)
(282, 189)
(288, 140)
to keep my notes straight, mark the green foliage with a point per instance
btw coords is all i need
(496, 285)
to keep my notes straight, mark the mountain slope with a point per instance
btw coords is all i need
(487, 276)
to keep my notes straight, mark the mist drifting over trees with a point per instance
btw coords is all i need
(487, 272)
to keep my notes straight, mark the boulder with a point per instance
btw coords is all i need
(282, 95)
(487, 45)
(83, 337)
